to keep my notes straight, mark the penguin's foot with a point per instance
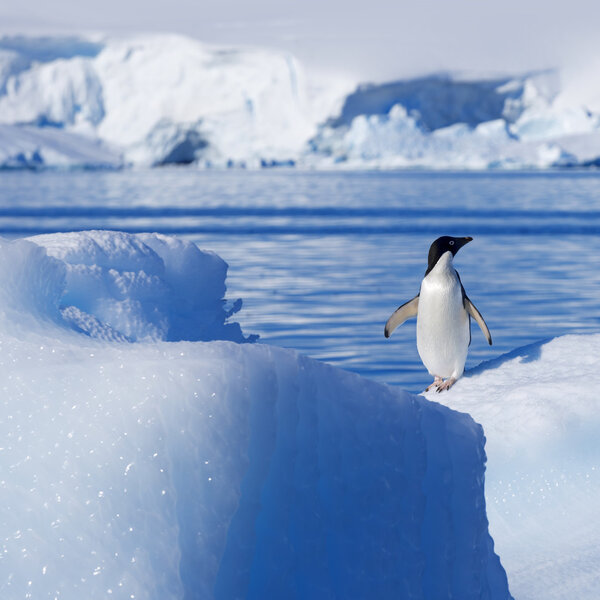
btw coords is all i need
(446, 385)
(436, 383)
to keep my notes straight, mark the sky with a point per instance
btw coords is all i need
(373, 40)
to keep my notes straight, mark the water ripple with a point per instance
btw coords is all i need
(297, 220)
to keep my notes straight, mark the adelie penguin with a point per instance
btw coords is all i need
(443, 312)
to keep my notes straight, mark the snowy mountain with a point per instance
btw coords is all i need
(212, 469)
(161, 99)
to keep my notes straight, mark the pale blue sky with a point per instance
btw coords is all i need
(379, 39)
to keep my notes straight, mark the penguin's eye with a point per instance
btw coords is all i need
(451, 242)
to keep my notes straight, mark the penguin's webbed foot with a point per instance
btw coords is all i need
(436, 383)
(446, 385)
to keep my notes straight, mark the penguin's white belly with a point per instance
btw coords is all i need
(443, 330)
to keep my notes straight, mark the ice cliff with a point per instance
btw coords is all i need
(163, 99)
(183, 469)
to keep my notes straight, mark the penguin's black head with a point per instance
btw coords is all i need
(442, 245)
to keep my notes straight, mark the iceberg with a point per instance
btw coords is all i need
(139, 462)
(445, 122)
(154, 100)
(166, 99)
(541, 415)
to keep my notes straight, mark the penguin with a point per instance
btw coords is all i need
(443, 312)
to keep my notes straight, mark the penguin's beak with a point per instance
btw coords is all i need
(460, 242)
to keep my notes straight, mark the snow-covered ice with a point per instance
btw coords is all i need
(540, 410)
(157, 469)
(145, 287)
(162, 99)
(27, 147)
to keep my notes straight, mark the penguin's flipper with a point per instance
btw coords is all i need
(472, 310)
(406, 311)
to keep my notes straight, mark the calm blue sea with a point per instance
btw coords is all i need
(322, 259)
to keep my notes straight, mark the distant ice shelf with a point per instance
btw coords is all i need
(167, 99)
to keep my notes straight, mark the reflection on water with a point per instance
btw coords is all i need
(322, 259)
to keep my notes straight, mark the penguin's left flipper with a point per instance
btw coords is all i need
(402, 313)
(472, 310)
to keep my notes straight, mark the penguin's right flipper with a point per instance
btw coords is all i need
(406, 311)
(477, 316)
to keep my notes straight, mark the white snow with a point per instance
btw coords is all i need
(540, 411)
(160, 99)
(158, 469)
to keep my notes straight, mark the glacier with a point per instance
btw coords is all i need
(151, 100)
(147, 461)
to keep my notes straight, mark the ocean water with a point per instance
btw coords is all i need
(322, 259)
